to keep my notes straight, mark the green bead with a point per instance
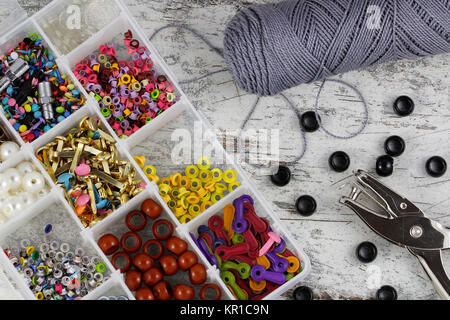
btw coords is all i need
(289, 276)
(101, 268)
(35, 255)
(71, 86)
(98, 98)
(60, 109)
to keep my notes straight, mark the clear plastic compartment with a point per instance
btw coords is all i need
(154, 141)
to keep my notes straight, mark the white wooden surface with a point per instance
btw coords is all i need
(332, 234)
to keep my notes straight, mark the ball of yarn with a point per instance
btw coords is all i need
(270, 48)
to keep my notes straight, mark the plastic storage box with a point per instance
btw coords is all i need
(102, 21)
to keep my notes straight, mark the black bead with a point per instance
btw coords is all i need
(303, 293)
(366, 252)
(385, 166)
(339, 161)
(404, 106)
(282, 177)
(395, 146)
(306, 205)
(436, 167)
(308, 121)
(386, 293)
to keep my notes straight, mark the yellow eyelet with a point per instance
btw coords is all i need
(153, 178)
(233, 186)
(205, 205)
(149, 171)
(192, 199)
(172, 204)
(201, 192)
(186, 218)
(217, 174)
(204, 163)
(210, 186)
(175, 179)
(216, 197)
(175, 192)
(30, 250)
(165, 181)
(140, 160)
(206, 197)
(166, 198)
(182, 202)
(164, 189)
(220, 188)
(195, 184)
(205, 176)
(191, 172)
(179, 212)
(229, 176)
(185, 182)
(183, 193)
(194, 210)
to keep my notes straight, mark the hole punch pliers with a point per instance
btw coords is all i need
(404, 225)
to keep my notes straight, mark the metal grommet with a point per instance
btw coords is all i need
(96, 260)
(59, 256)
(86, 260)
(25, 243)
(98, 277)
(54, 245)
(79, 252)
(44, 248)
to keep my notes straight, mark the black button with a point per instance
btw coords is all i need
(404, 106)
(366, 252)
(395, 146)
(306, 205)
(308, 121)
(386, 293)
(385, 166)
(282, 177)
(303, 293)
(339, 161)
(436, 167)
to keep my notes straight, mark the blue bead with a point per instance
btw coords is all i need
(61, 118)
(75, 92)
(10, 91)
(50, 57)
(5, 101)
(36, 133)
(47, 128)
(48, 228)
(66, 114)
(16, 126)
(38, 115)
(49, 64)
(35, 107)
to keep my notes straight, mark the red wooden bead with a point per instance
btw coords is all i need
(131, 242)
(154, 249)
(108, 244)
(169, 264)
(121, 261)
(183, 292)
(143, 261)
(176, 245)
(136, 221)
(151, 208)
(162, 234)
(153, 276)
(162, 291)
(133, 280)
(145, 294)
(197, 274)
(187, 260)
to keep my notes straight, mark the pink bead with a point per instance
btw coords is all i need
(142, 185)
(103, 49)
(135, 128)
(119, 132)
(12, 102)
(58, 288)
(116, 125)
(83, 200)
(12, 121)
(83, 170)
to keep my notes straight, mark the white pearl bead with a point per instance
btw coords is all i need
(26, 167)
(14, 177)
(7, 149)
(5, 185)
(9, 207)
(45, 191)
(27, 199)
(33, 182)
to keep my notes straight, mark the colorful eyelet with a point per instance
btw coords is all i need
(186, 218)
(149, 170)
(202, 192)
(210, 186)
(192, 199)
(172, 204)
(185, 182)
(140, 160)
(216, 174)
(206, 197)
(182, 202)
(183, 193)
(233, 186)
(175, 193)
(229, 176)
(164, 189)
(204, 163)
(192, 172)
(153, 178)
(179, 211)
(216, 197)
(175, 179)
(165, 181)
(165, 197)
(30, 250)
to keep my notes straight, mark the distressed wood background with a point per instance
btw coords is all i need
(331, 235)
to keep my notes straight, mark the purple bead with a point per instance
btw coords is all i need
(125, 124)
(134, 94)
(90, 86)
(116, 100)
(278, 264)
(92, 56)
(146, 96)
(135, 56)
(113, 91)
(134, 116)
(125, 93)
(278, 248)
(94, 62)
(97, 88)
(117, 113)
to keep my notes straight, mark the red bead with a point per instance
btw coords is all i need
(187, 260)
(143, 261)
(197, 274)
(169, 265)
(133, 280)
(153, 276)
(108, 244)
(162, 291)
(145, 294)
(151, 208)
(176, 245)
(183, 292)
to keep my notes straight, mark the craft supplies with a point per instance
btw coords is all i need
(436, 166)
(404, 106)
(130, 92)
(366, 252)
(8, 149)
(386, 293)
(149, 270)
(86, 164)
(306, 205)
(20, 188)
(394, 146)
(282, 177)
(339, 161)
(254, 261)
(53, 270)
(34, 94)
(309, 122)
(385, 166)
(303, 293)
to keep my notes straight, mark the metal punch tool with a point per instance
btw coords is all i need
(404, 225)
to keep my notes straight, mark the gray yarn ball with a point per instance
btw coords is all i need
(270, 48)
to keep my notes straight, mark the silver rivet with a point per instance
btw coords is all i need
(416, 232)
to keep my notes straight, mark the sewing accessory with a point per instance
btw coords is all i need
(385, 166)
(339, 161)
(386, 293)
(404, 224)
(366, 252)
(303, 293)
(394, 146)
(282, 177)
(436, 166)
(404, 106)
(306, 205)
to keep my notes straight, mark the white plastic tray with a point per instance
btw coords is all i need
(152, 141)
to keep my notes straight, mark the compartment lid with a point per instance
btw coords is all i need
(11, 14)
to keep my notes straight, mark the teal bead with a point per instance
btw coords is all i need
(47, 128)
(35, 107)
(38, 115)
(61, 118)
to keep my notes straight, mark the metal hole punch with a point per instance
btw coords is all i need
(404, 225)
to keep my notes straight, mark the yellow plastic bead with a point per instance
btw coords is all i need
(206, 197)
(39, 296)
(185, 182)
(164, 189)
(186, 218)
(192, 199)
(140, 160)
(201, 192)
(165, 181)
(220, 188)
(204, 163)
(30, 250)
(27, 108)
(172, 204)
(175, 179)
(196, 184)
(194, 210)
(216, 197)
(179, 212)
(183, 193)
(205, 176)
(23, 128)
(126, 79)
(229, 176)
(205, 205)
(182, 202)
(217, 174)
(153, 178)
(166, 198)
(210, 186)
(149, 170)
(22, 261)
(233, 186)
(175, 193)
(192, 172)
(96, 68)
